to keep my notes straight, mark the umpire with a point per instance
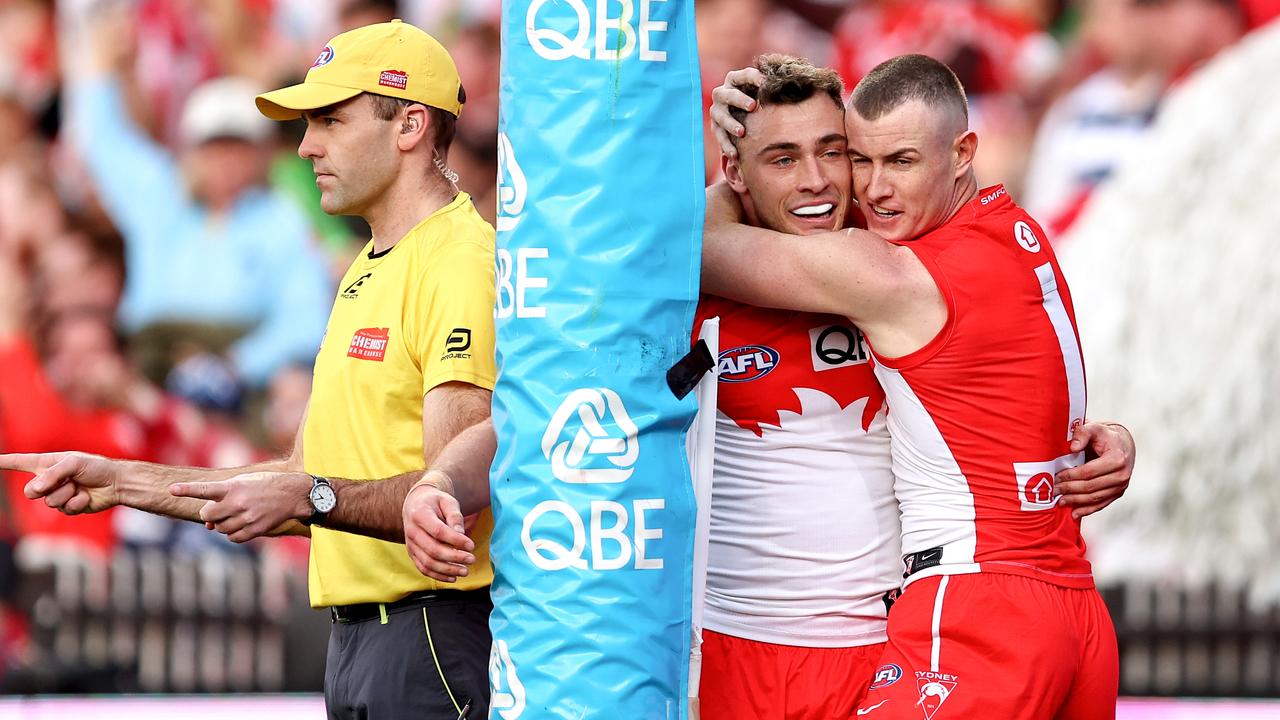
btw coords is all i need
(406, 364)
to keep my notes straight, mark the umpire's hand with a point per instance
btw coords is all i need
(250, 505)
(70, 482)
(434, 529)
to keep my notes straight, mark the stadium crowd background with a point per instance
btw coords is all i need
(117, 335)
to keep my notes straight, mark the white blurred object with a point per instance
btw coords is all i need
(1174, 274)
(223, 108)
(700, 445)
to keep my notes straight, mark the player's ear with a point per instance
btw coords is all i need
(966, 147)
(733, 174)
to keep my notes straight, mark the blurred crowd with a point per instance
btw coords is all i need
(165, 270)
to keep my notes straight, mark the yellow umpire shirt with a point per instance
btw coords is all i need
(404, 321)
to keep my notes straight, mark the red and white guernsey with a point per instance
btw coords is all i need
(804, 539)
(982, 416)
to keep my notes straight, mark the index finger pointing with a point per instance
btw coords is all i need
(202, 490)
(49, 480)
(22, 462)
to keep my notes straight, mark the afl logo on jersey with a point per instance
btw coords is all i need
(746, 363)
(886, 676)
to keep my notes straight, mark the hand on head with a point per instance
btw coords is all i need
(729, 96)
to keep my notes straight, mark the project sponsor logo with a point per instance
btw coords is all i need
(326, 55)
(369, 344)
(562, 29)
(1035, 481)
(935, 688)
(592, 440)
(887, 675)
(397, 79)
(457, 344)
(351, 291)
(837, 346)
(513, 189)
(1026, 237)
(746, 363)
(506, 692)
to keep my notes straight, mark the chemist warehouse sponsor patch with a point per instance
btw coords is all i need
(369, 344)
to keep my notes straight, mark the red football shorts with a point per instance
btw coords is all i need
(751, 680)
(989, 645)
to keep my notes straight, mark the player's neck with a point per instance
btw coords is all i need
(965, 190)
(404, 205)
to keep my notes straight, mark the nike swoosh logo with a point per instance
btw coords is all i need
(867, 711)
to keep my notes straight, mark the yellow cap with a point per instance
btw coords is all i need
(394, 59)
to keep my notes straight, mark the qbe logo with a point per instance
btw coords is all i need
(513, 189)
(592, 440)
(563, 29)
(506, 692)
(836, 346)
(576, 449)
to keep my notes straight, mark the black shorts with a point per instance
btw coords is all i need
(424, 658)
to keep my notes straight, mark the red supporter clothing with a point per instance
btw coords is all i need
(982, 416)
(750, 680)
(988, 48)
(34, 419)
(996, 646)
(804, 538)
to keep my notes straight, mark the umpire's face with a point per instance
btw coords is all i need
(353, 153)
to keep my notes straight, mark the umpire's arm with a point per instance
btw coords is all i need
(375, 508)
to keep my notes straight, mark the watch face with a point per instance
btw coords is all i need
(323, 498)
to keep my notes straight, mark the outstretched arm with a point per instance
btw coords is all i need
(881, 287)
(76, 482)
(253, 504)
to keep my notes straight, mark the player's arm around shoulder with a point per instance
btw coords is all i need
(852, 272)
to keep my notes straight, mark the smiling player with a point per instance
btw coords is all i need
(804, 527)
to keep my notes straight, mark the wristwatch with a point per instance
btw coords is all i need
(323, 500)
